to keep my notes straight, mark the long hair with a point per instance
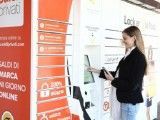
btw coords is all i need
(139, 43)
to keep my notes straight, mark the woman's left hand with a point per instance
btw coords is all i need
(108, 76)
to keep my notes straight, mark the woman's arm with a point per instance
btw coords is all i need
(91, 69)
(103, 73)
(135, 76)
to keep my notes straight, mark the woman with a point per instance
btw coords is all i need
(128, 77)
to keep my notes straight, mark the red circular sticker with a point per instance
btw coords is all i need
(106, 106)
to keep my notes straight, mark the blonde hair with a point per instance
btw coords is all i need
(139, 43)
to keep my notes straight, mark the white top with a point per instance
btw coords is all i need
(129, 51)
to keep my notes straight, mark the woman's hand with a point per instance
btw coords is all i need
(91, 69)
(108, 76)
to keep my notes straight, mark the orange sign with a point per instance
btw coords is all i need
(51, 93)
(15, 45)
(52, 30)
(50, 72)
(50, 60)
(52, 83)
(51, 105)
(52, 26)
(63, 114)
(55, 9)
(51, 49)
(51, 38)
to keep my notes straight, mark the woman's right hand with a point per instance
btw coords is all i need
(91, 69)
(108, 76)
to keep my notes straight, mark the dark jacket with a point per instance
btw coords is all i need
(129, 82)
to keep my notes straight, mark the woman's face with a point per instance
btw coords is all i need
(128, 41)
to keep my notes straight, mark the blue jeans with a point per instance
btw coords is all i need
(129, 111)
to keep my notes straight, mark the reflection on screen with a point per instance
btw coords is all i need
(88, 76)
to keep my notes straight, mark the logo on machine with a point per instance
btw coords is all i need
(131, 21)
(44, 90)
(44, 117)
(11, 13)
(7, 116)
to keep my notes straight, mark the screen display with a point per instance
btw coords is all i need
(88, 76)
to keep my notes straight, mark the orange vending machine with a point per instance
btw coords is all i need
(15, 59)
(36, 42)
